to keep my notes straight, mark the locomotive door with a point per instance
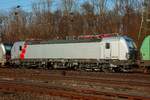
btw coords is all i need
(107, 51)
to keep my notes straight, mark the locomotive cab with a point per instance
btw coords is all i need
(132, 49)
(145, 54)
(16, 50)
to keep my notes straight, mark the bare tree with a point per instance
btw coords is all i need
(73, 18)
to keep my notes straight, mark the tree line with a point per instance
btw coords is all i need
(71, 18)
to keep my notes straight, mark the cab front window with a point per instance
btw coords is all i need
(130, 43)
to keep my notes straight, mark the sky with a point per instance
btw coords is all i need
(8, 4)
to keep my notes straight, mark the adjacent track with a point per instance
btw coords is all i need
(76, 85)
(9, 86)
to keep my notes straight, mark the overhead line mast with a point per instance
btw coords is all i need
(145, 23)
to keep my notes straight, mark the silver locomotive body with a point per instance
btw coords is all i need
(110, 52)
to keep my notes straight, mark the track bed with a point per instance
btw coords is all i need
(75, 85)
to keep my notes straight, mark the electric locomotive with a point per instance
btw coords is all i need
(109, 54)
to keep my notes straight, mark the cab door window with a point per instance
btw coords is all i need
(20, 48)
(107, 45)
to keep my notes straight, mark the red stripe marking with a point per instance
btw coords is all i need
(23, 51)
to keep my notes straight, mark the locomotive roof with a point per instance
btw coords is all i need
(71, 41)
(62, 41)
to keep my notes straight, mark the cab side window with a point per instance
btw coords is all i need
(107, 45)
(20, 48)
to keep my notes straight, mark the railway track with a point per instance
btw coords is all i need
(79, 73)
(11, 86)
(138, 79)
(81, 85)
